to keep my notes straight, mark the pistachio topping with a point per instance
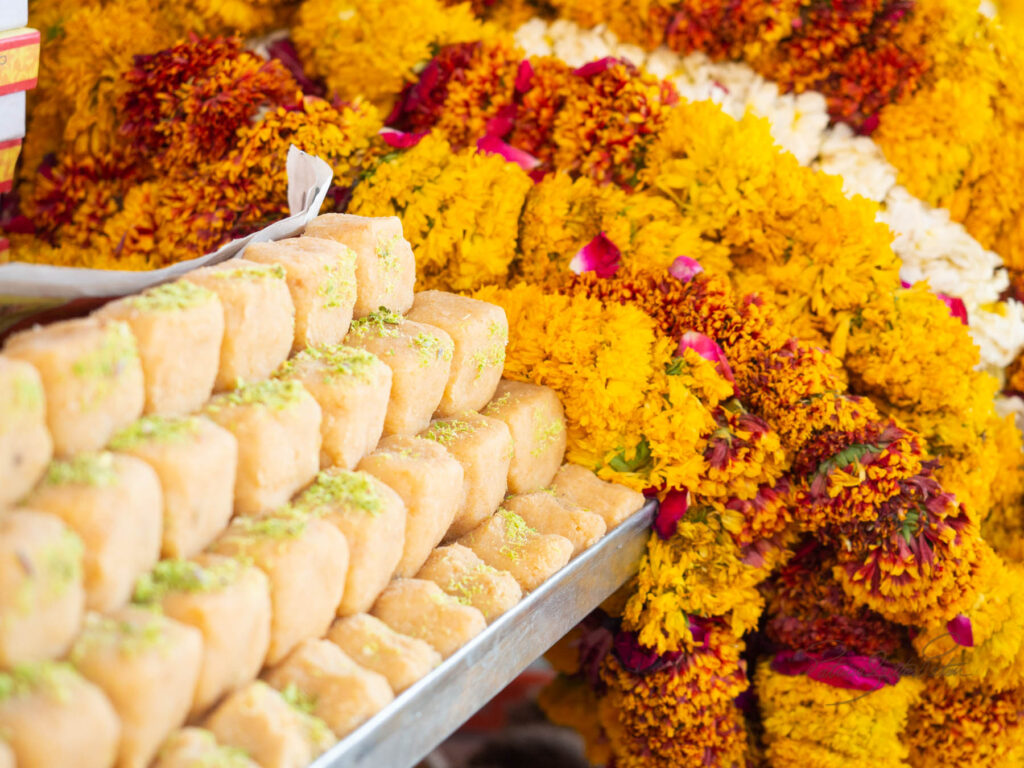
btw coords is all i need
(447, 432)
(383, 323)
(341, 486)
(273, 393)
(156, 429)
(175, 575)
(94, 469)
(335, 360)
(252, 272)
(50, 677)
(517, 533)
(430, 348)
(180, 294)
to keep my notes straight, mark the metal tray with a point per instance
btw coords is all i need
(426, 713)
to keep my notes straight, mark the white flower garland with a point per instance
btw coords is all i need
(931, 246)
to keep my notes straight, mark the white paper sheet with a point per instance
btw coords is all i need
(29, 288)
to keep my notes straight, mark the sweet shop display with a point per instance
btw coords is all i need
(353, 353)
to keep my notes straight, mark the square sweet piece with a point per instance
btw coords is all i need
(352, 388)
(273, 732)
(277, 426)
(574, 484)
(147, 665)
(420, 359)
(229, 603)
(178, 328)
(536, 420)
(372, 518)
(198, 748)
(483, 446)
(421, 609)
(259, 318)
(430, 482)
(41, 594)
(91, 376)
(306, 560)
(542, 511)
(113, 503)
(25, 444)
(480, 333)
(385, 266)
(338, 691)
(507, 543)
(372, 644)
(321, 276)
(459, 572)
(53, 718)
(196, 461)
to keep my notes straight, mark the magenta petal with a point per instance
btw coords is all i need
(634, 657)
(670, 512)
(600, 256)
(400, 139)
(708, 349)
(905, 284)
(684, 268)
(956, 307)
(524, 76)
(596, 67)
(495, 146)
(961, 631)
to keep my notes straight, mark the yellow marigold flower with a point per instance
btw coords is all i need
(808, 724)
(372, 48)
(462, 230)
(966, 725)
(701, 571)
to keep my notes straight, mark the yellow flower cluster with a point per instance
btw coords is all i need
(966, 725)
(458, 209)
(562, 215)
(372, 48)
(609, 368)
(700, 571)
(808, 724)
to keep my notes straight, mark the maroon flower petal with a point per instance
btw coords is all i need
(956, 307)
(400, 139)
(634, 657)
(596, 67)
(684, 268)
(495, 146)
(670, 512)
(600, 256)
(961, 631)
(708, 349)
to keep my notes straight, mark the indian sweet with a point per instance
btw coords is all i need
(536, 420)
(259, 318)
(25, 444)
(385, 266)
(195, 461)
(321, 277)
(421, 609)
(178, 327)
(578, 485)
(372, 644)
(459, 572)
(91, 375)
(543, 512)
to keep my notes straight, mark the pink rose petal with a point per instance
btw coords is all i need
(838, 669)
(600, 256)
(684, 268)
(400, 139)
(670, 512)
(524, 76)
(961, 631)
(495, 146)
(596, 67)
(708, 349)
(956, 306)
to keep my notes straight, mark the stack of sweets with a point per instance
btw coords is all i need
(242, 511)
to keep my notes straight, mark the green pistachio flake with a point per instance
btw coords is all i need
(180, 294)
(340, 486)
(283, 524)
(129, 637)
(335, 360)
(383, 323)
(386, 250)
(28, 395)
(157, 429)
(447, 432)
(335, 289)
(106, 363)
(183, 576)
(49, 676)
(430, 349)
(252, 272)
(544, 434)
(273, 393)
(94, 469)
(298, 699)
(517, 533)
(497, 404)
